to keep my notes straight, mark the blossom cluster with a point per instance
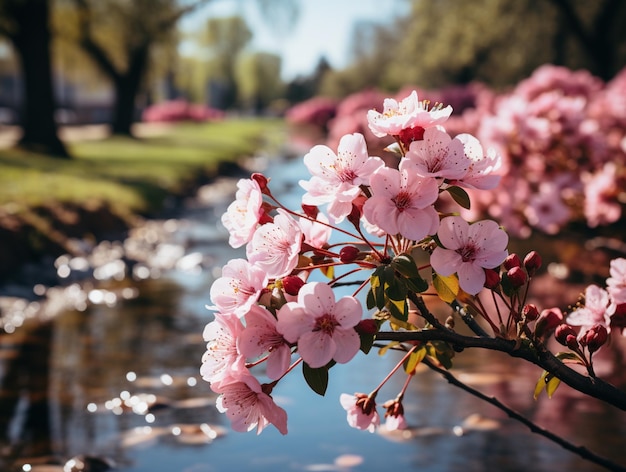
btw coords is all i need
(561, 135)
(269, 312)
(365, 221)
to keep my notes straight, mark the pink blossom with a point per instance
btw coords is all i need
(336, 177)
(394, 415)
(594, 312)
(438, 155)
(243, 214)
(361, 410)
(408, 113)
(222, 359)
(275, 246)
(260, 336)
(316, 233)
(323, 328)
(616, 283)
(248, 406)
(238, 288)
(468, 250)
(481, 168)
(402, 202)
(546, 210)
(601, 190)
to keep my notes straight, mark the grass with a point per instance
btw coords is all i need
(129, 175)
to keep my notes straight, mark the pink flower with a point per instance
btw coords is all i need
(260, 336)
(616, 283)
(275, 246)
(408, 113)
(394, 415)
(323, 328)
(601, 190)
(222, 360)
(402, 202)
(248, 406)
(238, 288)
(481, 171)
(438, 155)
(316, 234)
(243, 214)
(361, 410)
(546, 210)
(594, 312)
(336, 177)
(468, 250)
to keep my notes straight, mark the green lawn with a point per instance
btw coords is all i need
(130, 175)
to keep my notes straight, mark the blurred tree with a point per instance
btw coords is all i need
(225, 38)
(27, 24)
(498, 42)
(119, 36)
(258, 79)
(304, 87)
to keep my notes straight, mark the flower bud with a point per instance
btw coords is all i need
(368, 326)
(548, 320)
(530, 312)
(566, 336)
(532, 262)
(595, 338)
(292, 284)
(511, 261)
(517, 277)
(408, 135)
(492, 279)
(310, 210)
(262, 181)
(348, 254)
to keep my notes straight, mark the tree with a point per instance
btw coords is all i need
(26, 24)
(257, 77)
(226, 38)
(124, 56)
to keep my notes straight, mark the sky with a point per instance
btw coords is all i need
(322, 28)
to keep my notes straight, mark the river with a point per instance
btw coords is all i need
(113, 382)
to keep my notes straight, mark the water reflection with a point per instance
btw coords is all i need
(115, 383)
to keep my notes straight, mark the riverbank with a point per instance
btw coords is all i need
(50, 207)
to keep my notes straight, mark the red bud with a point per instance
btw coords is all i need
(548, 320)
(292, 284)
(368, 326)
(564, 334)
(348, 254)
(532, 262)
(511, 261)
(492, 278)
(517, 276)
(530, 312)
(595, 338)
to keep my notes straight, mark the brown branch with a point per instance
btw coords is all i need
(592, 386)
(578, 450)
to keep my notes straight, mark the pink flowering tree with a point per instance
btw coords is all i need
(396, 235)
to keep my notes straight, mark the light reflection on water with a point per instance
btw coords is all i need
(149, 348)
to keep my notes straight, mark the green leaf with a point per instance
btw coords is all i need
(317, 379)
(447, 287)
(416, 284)
(415, 358)
(367, 341)
(405, 265)
(552, 385)
(541, 385)
(441, 351)
(569, 357)
(460, 196)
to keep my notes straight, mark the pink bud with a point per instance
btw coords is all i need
(368, 326)
(548, 320)
(348, 254)
(292, 284)
(595, 338)
(511, 261)
(517, 276)
(492, 278)
(530, 312)
(532, 262)
(564, 333)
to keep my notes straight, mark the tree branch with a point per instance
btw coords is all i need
(578, 450)
(592, 386)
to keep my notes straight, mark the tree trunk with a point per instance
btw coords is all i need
(126, 90)
(32, 44)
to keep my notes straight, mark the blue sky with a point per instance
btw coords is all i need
(323, 28)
